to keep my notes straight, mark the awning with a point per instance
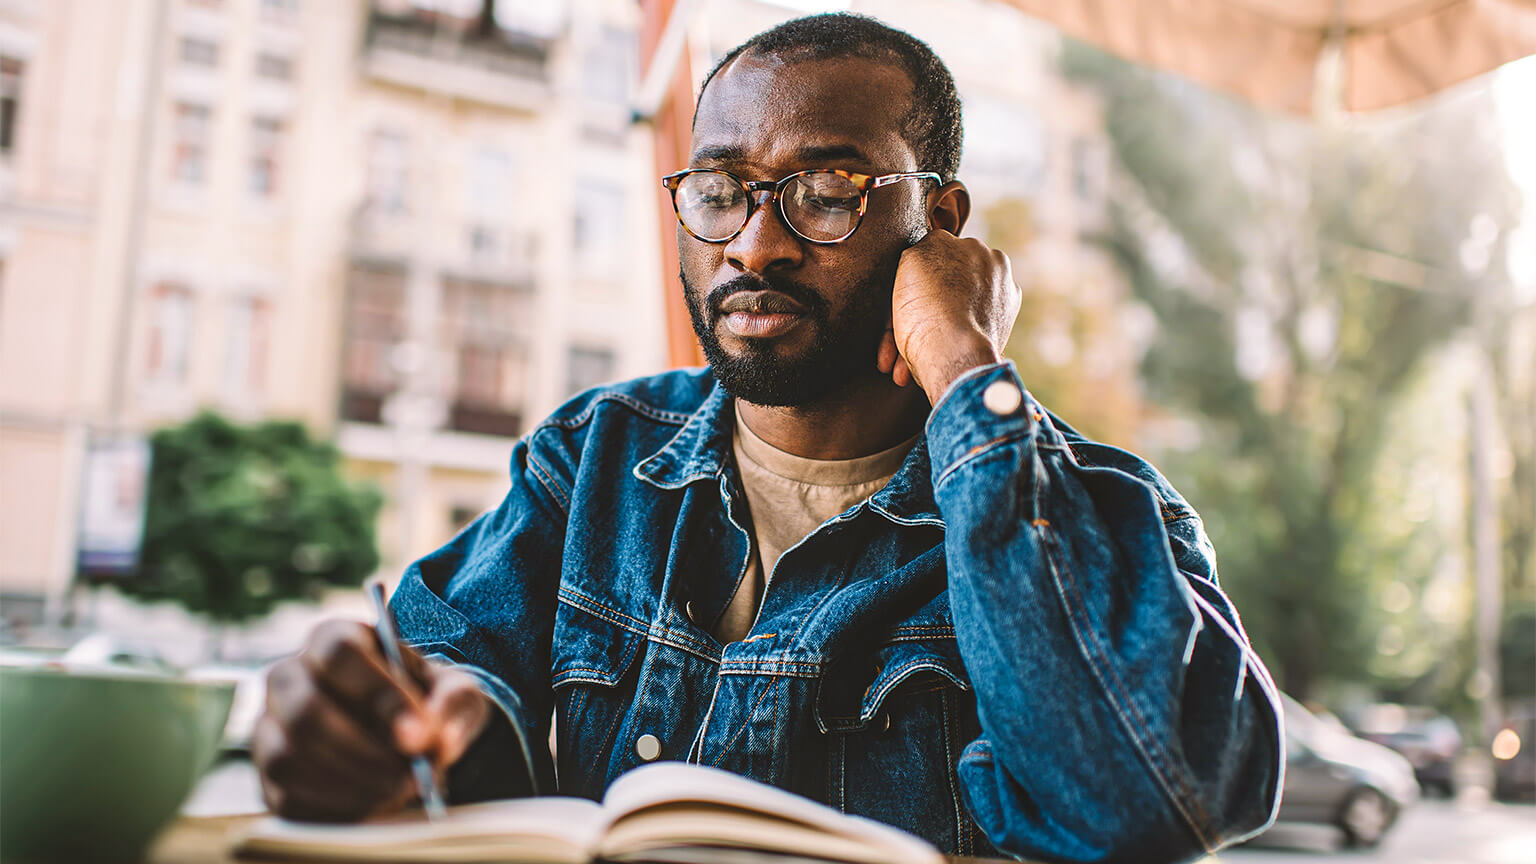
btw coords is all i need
(1267, 51)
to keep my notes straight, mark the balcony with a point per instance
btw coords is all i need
(475, 251)
(440, 55)
(382, 235)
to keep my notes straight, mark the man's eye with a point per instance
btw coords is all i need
(829, 203)
(723, 200)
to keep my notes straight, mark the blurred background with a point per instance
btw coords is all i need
(282, 280)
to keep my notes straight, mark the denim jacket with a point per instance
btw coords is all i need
(1017, 646)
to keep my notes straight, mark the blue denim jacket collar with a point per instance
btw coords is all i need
(701, 450)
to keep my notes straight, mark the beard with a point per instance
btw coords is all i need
(841, 353)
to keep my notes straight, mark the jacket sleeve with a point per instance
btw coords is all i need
(485, 601)
(1123, 714)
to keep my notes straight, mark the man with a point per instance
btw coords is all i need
(853, 559)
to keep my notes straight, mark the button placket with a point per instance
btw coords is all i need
(648, 747)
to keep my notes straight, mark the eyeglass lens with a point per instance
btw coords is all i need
(819, 205)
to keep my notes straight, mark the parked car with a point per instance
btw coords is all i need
(1426, 738)
(1335, 778)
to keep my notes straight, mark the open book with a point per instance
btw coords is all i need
(664, 812)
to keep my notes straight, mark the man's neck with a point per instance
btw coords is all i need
(866, 419)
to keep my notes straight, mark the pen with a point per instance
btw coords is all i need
(426, 782)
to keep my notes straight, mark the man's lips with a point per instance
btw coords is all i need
(761, 303)
(760, 314)
(760, 326)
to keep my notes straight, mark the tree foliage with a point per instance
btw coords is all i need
(241, 518)
(1308, 280)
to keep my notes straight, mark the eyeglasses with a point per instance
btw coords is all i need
(822, 205)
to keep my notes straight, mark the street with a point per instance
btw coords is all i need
(1431, 832)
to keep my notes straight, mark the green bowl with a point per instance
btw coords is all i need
(94, 763)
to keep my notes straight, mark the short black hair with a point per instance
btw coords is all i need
(932, 125)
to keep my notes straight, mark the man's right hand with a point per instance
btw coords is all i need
(335, 740)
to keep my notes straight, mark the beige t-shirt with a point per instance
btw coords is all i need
(788, 497)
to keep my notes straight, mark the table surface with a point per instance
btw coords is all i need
(205, 839)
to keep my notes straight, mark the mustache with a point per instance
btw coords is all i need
(799, 292)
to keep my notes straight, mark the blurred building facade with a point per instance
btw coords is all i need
(416, 226)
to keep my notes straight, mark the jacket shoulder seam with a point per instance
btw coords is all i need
(644, 409)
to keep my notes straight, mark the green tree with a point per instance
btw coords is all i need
(1306, 279)
(241, 518)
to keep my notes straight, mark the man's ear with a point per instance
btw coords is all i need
(949, 206)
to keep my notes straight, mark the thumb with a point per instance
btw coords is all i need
(458, 711)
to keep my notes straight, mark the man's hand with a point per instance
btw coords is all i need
(952, 310)
(335, 740)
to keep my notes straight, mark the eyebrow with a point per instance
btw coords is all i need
(718, 153)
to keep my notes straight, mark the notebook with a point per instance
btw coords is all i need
(670, 812)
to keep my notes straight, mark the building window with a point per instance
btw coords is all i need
(1007, 140)
(489, 355)
(489, 187)
(247, 337)
(189, 156)
(460, 515)
(266, 144)
(598, 228)
(199, 52)
(388, 160)
(375, 325)
(280, 11)
(170, 333)
(10, 102)
(588, 367)
(606, 67)
(274, 66)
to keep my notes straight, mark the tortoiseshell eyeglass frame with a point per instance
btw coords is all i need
(863, 182)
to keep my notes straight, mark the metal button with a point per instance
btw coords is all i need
(688, 610)
(1002, 397)
(648, 747)
(885, 722)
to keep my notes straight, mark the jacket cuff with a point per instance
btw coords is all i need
(986, 407)
(505, 760)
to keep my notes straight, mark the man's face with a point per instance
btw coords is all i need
(783, 321)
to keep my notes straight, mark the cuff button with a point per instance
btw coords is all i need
(1002, 397)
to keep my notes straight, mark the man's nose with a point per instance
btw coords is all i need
(765, 242)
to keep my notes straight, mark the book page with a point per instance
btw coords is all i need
(661, 785)
(666, 832)
(550, 829)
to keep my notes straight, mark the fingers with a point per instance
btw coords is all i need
(344, 659)
(302, 780)
(317, 761)
(324, 746)
(886, 354)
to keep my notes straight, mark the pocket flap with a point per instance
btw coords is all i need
(590, 649)
(853, 692)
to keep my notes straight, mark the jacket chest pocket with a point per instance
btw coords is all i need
(593, 670)
(895, 723)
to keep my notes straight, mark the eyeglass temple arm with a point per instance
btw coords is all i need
(888, 179)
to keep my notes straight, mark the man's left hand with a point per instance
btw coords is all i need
(951, 311)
